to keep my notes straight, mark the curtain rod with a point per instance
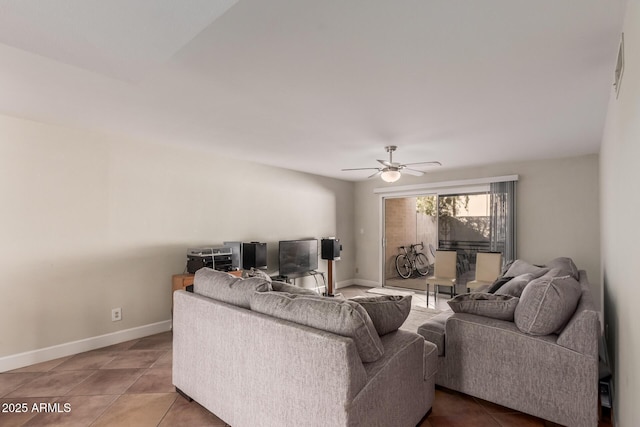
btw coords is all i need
(445, 184)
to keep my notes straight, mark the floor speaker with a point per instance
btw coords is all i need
(330, 249)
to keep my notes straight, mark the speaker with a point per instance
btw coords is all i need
(236, 254)
(330, 249)
(254, 255)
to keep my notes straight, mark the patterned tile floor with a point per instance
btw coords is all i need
(124, 384)
(129, 384)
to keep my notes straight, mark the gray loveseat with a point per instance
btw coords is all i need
(253, 369)
(552, 376)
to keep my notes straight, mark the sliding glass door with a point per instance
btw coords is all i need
(410, 220)
(458, 222)
(468, 217)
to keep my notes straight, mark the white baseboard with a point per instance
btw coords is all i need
(27, 358)
(344, 283)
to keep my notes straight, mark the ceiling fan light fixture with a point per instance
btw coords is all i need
(390, 170)
(390, 175)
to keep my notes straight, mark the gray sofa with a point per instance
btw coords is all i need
(253, 369)
(552, 376)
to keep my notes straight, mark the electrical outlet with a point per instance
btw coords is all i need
(116, 314)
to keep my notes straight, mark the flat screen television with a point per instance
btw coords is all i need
(297, 256)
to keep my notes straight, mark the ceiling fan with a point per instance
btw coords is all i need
(391, 172)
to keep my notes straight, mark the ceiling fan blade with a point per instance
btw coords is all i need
(413, 172)
(424, 163)
(390, 165)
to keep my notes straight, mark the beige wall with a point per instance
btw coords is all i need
(620, 176)
(89, 223)
(557, 212)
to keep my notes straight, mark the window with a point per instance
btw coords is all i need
(464, 225)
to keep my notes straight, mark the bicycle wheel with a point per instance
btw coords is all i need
(422, 264)
(403, 266)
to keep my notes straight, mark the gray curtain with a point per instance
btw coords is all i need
(503, 219)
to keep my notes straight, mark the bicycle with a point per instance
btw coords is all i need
(412, 260)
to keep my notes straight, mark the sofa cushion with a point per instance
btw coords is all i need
(547, 304)
(335, 315)
(387, 312)
(291, 289)
(515, 286)
(484, 304)
(224, 287)
(520, 267)
(566, 267)
(498, 283)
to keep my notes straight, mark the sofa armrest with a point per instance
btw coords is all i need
(403, 378)
(582, 332)
(430, 360)
(433, 330)
(526, 372)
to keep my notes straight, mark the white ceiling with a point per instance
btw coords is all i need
(321, 85)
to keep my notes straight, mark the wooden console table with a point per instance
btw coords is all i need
(181, 281)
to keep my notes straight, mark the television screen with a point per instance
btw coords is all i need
(297, 256)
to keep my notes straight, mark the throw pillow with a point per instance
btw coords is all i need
(224, 287)
(335, 315)
(566, 266)
(291, 289)
(516, 285)
(506, 267)
(500, 281)
(520, 267)
(387, 312)
(547, 304)
(254, 272)
(484, 304)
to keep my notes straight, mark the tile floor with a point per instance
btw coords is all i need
(453, 409)
(129, 384)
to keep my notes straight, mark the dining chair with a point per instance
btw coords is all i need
(444, 273)
(488, 267)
